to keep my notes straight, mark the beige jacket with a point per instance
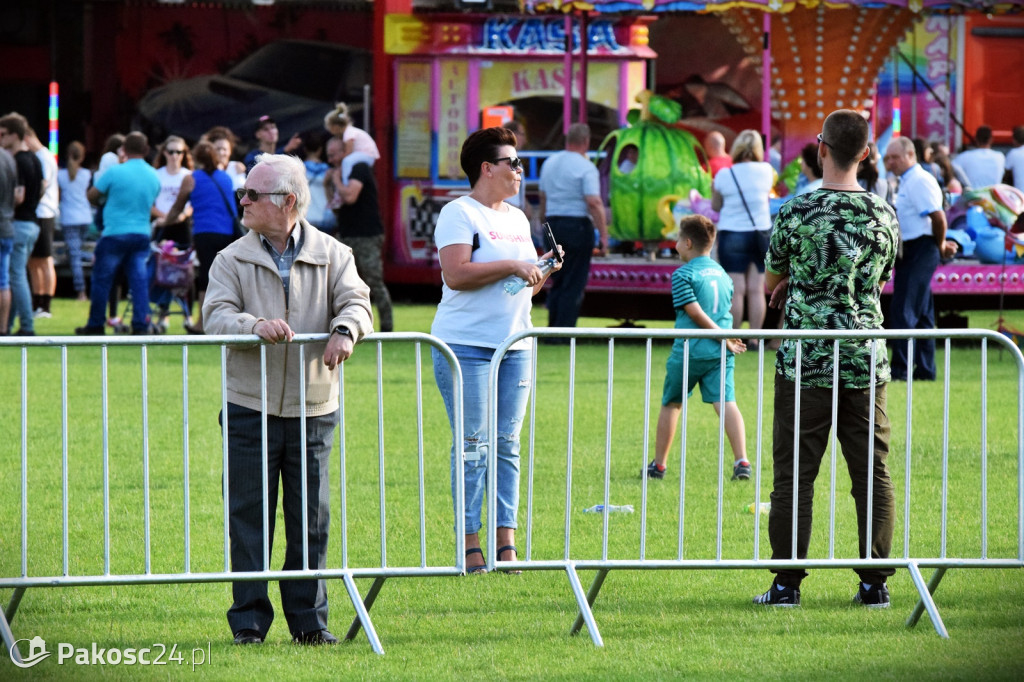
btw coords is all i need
(325, 291)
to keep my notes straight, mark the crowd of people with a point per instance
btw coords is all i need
(166, 192)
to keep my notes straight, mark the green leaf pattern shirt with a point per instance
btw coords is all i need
(839, 249)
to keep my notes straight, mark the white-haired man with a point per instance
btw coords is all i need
(283, 278)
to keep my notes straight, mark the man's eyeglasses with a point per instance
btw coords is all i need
(821, 140)
(254, 194)
(514, 162)
(174, 152)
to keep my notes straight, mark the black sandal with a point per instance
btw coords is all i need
(506, 548)
(476, 570)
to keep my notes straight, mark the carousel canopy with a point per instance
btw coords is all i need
(775, 6)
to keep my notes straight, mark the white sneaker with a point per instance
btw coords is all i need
(40, 313)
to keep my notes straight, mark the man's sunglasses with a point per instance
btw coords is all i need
(821, 140)
(514, 162)
(254, 194)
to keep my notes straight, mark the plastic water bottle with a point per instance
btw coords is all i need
(765, 507)
(612, 508)
(513, 285)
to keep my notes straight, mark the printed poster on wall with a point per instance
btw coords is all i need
(451, 128)
(412, 156)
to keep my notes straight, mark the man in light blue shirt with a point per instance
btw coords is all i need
(130, 190)
(923, 240)
(570, 201)
(983, 166)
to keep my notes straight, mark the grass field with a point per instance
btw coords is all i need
(697, 624)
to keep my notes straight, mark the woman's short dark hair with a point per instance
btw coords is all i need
(205, 157)
(483, 146)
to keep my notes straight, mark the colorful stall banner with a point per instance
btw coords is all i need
(412, 120)
(504, 81)
(452, 128)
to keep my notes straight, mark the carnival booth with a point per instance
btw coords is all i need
(454, 74)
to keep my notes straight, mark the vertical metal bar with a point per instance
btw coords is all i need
(380, 456)
(798, 390)
(832, 438)
(184, 441)
(721, 449)
(105, 421)
(303, 452)
(532, 451)
(908, 436)
(870, 520)
(342, 468)
(265, 448)
(646, 446)
(568, 447)
(759, 453)
(684, 413)
(984, 448)
(945, 450)
(459, 438)
(64, 452)
(24, 461)
(608, 446)
(419, 455)
(144, 353)
(224, 455)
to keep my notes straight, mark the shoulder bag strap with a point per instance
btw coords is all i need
(742, 198)
(223, 196)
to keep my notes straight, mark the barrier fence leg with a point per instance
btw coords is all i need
(362, 615)
(585, 602)
(926, 602)
(5, 624)
(371, 597)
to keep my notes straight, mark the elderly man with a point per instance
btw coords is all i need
(923, 235)
(835, 246)
(130, 189)
(570, 200)
(283, 278)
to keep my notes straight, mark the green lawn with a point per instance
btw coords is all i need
(696, 624)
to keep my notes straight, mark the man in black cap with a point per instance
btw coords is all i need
(267, 134)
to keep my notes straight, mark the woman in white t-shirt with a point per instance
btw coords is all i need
(740, 195)
(482, 242)
(359, 146)
(173, 163)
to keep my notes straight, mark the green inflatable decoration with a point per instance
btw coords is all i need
(668, 162)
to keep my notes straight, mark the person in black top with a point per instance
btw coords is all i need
(360, 225)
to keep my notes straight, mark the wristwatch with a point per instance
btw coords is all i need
(344, 331)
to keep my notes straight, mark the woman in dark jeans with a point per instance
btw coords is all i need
(740, 194)
(210, 192)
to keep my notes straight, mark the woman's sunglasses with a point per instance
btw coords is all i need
(514, 162)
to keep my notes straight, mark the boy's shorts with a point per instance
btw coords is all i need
(708, 373)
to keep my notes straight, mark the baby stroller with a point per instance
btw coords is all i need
(171, 274)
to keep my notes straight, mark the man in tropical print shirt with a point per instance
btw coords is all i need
(836, 247)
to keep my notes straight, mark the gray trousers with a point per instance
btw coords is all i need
(304, 601)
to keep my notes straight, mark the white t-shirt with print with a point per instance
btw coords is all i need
(486, 316)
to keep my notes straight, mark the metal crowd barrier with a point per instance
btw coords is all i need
(946, 523)
(203, 553)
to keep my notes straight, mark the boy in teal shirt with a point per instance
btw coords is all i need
(702, 297)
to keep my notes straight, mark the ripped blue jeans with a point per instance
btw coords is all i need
(513, 394)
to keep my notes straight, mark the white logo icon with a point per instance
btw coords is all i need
(36, 652)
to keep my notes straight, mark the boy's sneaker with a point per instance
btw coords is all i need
(779, 595)
(875, 597)
(654, 472)
(741, 470)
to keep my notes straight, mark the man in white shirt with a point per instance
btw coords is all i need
(982, 166)
(570, 201)
(1015, 160)
(923, 240)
